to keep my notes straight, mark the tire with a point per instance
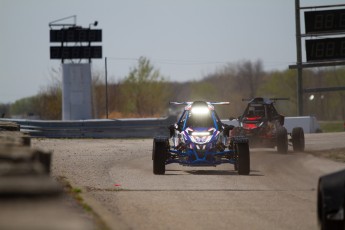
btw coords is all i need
(159, 155)
(282, 140)
(330, 192)
(243, 161)
(298, 142)
(324, 223)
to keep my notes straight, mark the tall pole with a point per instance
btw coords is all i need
(299, 60)
(106, 88)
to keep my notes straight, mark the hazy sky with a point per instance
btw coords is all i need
(184, 39)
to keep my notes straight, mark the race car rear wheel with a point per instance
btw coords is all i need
(282, 140)
(243, 161)
(159, 155)
(325, 198)
(298, 142)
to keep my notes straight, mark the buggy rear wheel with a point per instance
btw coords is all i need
(243, 160)
(298, 142)
(159, 155)
(282, 140)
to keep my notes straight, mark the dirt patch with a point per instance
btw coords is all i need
(333, 154)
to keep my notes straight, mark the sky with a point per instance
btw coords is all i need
(184, 39)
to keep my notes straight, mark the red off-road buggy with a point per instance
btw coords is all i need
(264, 127)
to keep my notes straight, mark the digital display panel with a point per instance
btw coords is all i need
(76, 34)
(326, 21)
(325, 49)
(75, 52)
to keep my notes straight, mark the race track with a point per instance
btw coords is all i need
(117, 181)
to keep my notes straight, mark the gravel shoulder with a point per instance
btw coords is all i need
(116, 180)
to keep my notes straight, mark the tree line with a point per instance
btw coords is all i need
(145, 92)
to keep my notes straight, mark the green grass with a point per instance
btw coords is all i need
(333, 154)
(76, 193)
(332, 126)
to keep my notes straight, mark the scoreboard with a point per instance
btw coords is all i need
(75, 52)
(325, 49)
(75, 34)
(325, 22)
(72, 43)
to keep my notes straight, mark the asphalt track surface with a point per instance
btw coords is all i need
(118, 183)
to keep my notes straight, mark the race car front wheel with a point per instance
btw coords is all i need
(243, 160)
(282, 140)
(159, 152)
(298, 142)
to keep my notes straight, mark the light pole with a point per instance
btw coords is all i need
(299, 60)
(106, 88)
(95, 23)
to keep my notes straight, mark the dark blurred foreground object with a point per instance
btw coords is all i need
(30, 198)
(9, 126)
(23, 170)
(331, 201)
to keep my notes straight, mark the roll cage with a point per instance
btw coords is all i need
(208, 118)
(263, 108)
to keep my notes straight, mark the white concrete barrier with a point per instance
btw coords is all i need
(308, 123)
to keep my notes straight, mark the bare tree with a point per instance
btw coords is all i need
(250, 76)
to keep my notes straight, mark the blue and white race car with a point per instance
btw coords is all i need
(199, 138)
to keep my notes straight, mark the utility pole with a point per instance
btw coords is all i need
(299, 60)
(106, 88)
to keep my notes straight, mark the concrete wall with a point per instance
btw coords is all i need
(76, 92)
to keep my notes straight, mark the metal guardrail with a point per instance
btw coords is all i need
(100, 128)
(124, 128)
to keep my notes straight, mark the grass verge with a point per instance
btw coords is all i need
(331, 126)
(75, 193)
(333, 154)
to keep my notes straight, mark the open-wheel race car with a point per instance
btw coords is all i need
(199, 138)
(264, 126)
